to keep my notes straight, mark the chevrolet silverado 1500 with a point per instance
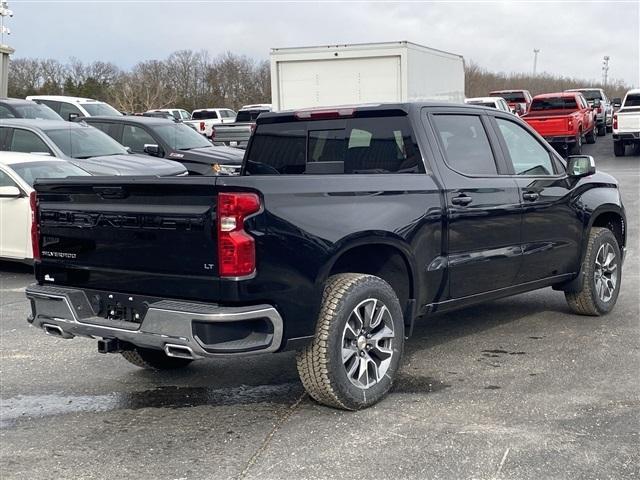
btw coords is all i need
(626, 123)
(344, 226)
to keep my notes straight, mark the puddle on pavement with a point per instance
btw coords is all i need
(29, 406)
(411, 384)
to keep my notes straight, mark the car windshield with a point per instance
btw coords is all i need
(510, 96)
(591, 95)
(181, 137)
(557, 103)
(85, 142)
(37, 111)
(96, 109)
(632, 100)
(31, 171)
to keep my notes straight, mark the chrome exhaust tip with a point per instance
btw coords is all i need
(55, 331)
(178, 351)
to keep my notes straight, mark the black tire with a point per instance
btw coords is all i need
(591, 137)
(602, 129)
(576, 148)
(618, 149)
(609, 128)
(154, 359)
(321, 366)
(587, 300)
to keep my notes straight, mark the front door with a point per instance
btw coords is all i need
(551, 230)
(483, 208)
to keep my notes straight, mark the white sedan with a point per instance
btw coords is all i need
(18, 172)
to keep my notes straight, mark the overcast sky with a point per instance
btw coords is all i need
(500, 36)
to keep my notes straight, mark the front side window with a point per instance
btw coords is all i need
(136, 138)
(529, 157)
(351, 146)
(465, 144)
(5, 180)
(27, 142)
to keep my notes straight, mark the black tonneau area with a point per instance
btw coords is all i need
(129, 234)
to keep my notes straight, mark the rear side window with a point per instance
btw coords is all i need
(352, 146)
(52, 104)
(465, 144)
(67, 109)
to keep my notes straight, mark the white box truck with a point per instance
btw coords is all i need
(364, 73)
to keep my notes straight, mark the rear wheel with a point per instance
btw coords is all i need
(602, 129)
(356, 352)
(154, 359)
(601, 275)
(590, 137)
(618, 149)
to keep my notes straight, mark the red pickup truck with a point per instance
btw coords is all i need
(564, 119)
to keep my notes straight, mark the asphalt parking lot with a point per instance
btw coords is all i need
(515, 389)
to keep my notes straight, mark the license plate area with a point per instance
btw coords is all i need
(122, 307)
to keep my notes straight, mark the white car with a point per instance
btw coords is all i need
(203, 119)
(18, 172)
(70, 108)
(178, 113)
(498, 103)
(626, 123)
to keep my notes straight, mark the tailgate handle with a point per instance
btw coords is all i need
(111, 192)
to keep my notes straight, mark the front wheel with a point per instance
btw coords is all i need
(154, 359)
(356, 352)
(601, 274)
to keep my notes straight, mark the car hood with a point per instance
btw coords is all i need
(129, 165)
(210, 155)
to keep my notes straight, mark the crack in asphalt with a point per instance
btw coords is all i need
(267, 440)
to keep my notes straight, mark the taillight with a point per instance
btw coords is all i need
(35, 228)
(615, 121)
(202, 126)
(236, 248)
(570, 124)
(253, 128)
(324, 114)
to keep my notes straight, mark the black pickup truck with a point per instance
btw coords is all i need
(344, 226)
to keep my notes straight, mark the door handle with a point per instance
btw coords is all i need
(462, 200)
(531, 196)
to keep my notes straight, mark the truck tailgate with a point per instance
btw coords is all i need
(550, 126)
(122, 233)
(629, 121)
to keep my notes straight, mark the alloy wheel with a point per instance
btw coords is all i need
(605, 273)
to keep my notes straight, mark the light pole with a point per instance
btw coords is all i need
(535, 60)
(4, 12)
(5, 50)
(605, 70)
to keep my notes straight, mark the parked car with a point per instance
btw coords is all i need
(626, 123)
(18, 172)
(204, 119)
(604, 109)
(168, 139)
(518, 100)
(18, 108)
(177, 113)
(238, 133)
(83, 145)
(345, 226)
(70, 108)
(564, 119)
(491, 102)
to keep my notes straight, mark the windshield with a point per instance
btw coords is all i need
(558, 103)
(37, 111)
(181, 137)
(248, 115)
(510, 96)
(632, 100)
(29, 172)
(85, 142)
(591, 95)
(96, 109)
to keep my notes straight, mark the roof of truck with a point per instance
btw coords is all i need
(557, 94)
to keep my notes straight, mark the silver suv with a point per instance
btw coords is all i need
(604, 108)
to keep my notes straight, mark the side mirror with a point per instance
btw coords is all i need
(72, 116)
(152, 149)
(616, 102)
(10, 192)
(580, 165)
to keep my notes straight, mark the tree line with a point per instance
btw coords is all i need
(193, 79)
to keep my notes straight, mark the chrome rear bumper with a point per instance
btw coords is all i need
(181, 329)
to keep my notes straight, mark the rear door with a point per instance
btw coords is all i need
(551, 231)
(483, 207)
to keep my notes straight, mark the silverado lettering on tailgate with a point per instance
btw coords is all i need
(61, 218)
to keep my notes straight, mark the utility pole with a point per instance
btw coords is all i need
(605, 70)
(535, 60)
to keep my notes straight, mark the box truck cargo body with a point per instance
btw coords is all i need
(364, 73)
